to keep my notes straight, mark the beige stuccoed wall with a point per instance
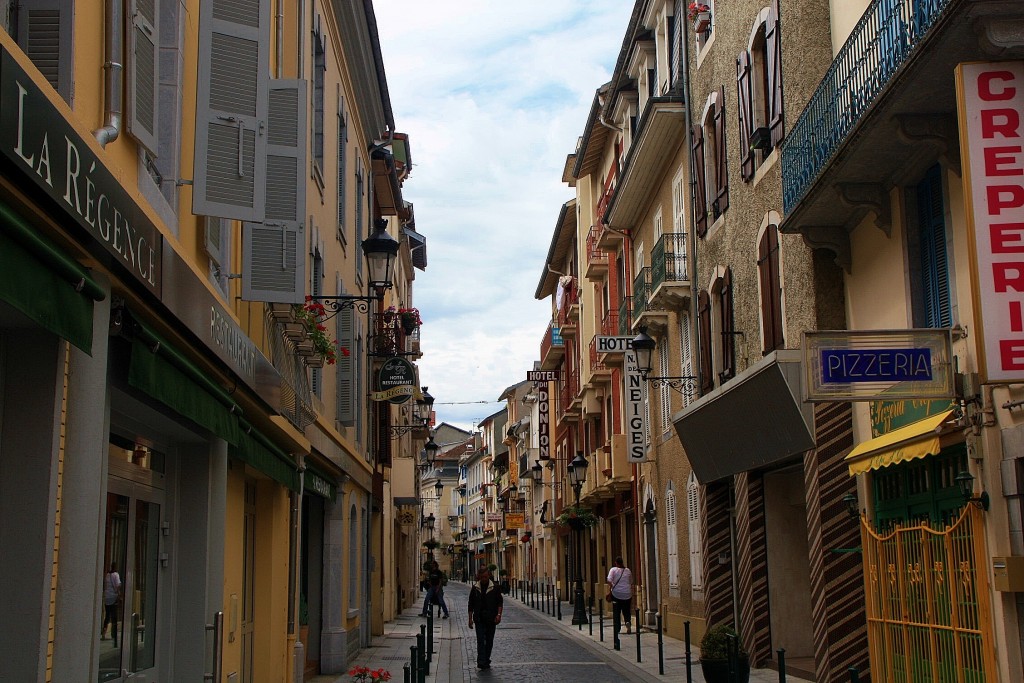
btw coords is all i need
(844, 15)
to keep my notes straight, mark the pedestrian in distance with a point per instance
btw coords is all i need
(111, 596)
(620, 589)
(485, 606)
(435, 590)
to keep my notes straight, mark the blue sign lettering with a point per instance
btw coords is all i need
(845, 366)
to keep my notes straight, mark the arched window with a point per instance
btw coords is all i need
(759, 92)
(672, 533)
(695, 540)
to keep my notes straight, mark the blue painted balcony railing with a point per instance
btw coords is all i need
(880, 43)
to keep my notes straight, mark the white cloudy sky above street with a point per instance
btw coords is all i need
(493, 95)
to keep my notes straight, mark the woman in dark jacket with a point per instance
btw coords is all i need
(485, 605)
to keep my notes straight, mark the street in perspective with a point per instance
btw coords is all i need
(352, 341)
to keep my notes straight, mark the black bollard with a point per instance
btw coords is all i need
(854, 674)
(616, 627)
(558, 603)
(732, 647)
(638, 635)
(405, 673)
(661, 648)
(686, 642)
(430, 635)
(421, 642)
(414, 661)
(600, 619)
(782, 664)
(590, 614)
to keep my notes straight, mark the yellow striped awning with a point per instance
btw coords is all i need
(916, 440)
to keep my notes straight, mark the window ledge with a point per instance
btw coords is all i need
(768, 164)
(702, 52)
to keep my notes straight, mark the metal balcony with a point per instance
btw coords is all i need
(670, 278)
(645, 311)
(552, 348)
(597, 258)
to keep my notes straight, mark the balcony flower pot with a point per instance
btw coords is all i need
(282, 313)
(315, 361)
(294, 331)
(760, 138)
(701, 22)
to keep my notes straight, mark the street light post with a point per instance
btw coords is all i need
(577, 475)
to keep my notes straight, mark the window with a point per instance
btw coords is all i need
(769, 277)
(727, 346)
(709, 164)
(342, 167)
(704, 37)
(676, 22)
(696, 539)
(672, 536)
(319, 73)
(45, 31)
(217, 240)
(759, 92)
(360, 198)
(316, 289)
(664, 391)
(933, 304)
(686, 362)
(707, 378)
(346, 377)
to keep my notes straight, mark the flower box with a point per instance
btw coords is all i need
(294, 331)
(701, 22)
(282, 312)
(315, 361)
(761, 138)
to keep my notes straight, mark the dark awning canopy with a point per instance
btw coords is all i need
(753, 421)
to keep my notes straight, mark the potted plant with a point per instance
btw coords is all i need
(714, 656)
(364, 674)
(430, 543)
(311, 316)
(700, 15)
(409, 319)
(576, 517)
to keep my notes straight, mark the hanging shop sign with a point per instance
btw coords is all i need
(990, 96)
(636, 410)
(515, 520)
(396, 381)
(614, 344)
(542, 377)
(51, 155)
(875, 365)
(493, 517)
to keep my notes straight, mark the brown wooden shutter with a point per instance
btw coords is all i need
(728, 336)
(745, 108)
(721, 162)
(773, 48)
(771, 290)
(700, 206)
(707, 379)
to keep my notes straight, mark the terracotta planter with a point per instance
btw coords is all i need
(701, 22)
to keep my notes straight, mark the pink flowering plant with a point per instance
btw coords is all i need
(312, 315)
(364, 674)
(695, 9)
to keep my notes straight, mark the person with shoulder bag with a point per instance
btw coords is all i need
(485, 606)
(620, 594)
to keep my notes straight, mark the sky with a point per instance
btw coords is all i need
(493, 94)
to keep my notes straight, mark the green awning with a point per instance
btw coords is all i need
(46, 294)
(256, 450)
(155, 375)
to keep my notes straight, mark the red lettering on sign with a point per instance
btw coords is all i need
(1005, 122)
(1000, 161)
(1016, 318)
(1006, 238)
(1011, 354)
(1004, 197)
(1007, 276)
(990, 88)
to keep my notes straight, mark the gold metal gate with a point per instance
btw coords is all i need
(928, 609)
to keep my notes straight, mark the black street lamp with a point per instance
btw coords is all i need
(643, 344)
(439, 488)
(380, 250)
(577, 475)
(430, 449)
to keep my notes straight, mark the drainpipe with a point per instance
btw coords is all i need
(279, 32)
(113, 69)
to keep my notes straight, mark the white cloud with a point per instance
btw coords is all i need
(493, 95)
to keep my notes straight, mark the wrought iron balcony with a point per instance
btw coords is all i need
(597, 258)
(625, 308)
(670, 280)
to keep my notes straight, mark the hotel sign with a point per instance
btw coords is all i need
(614, 344)
(878, 365)
(542, 377)
(48, 151)
(636, 410)
(991, 101)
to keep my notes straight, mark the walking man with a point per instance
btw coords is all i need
(485, 605)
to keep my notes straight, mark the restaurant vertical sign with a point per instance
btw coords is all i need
(542, 378)
(990, 96)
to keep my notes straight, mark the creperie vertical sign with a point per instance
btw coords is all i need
(991, 99)
(636, 410)
(542, 377)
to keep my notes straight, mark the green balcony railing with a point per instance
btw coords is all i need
(641, 292)
(668, 260)
(881, 42)
(624, 309)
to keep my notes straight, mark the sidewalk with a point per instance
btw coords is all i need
(454, 646)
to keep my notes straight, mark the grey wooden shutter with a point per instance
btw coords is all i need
(700, 205)
(745, 108)
(342, 166)
(231, 109)
(213, 238)
(773, 49)
(142, 73)
(274, 262)
(46, 33)
(721, 202)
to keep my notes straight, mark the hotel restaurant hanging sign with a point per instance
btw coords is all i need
(542, 377)
(35, 136)
(396, 381)
(873, 365)
(990, 96)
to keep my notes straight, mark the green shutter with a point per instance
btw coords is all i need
(934, 261)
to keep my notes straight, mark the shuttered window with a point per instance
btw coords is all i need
(773, 48)
(346, 377)
(676, 24)
(672, 536)
(771, 290)
(725, 309)
(319, 73)
(721, 167)
(46, 33)
(745, 109)
(664, 391)
(316, 375)
(934, 263)
(696, 540)
(700, 208)
(342, 167)
(686, 362)
(360, 199)
(231, 109)
(707, 378)
(142, 106)
(274, 263)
